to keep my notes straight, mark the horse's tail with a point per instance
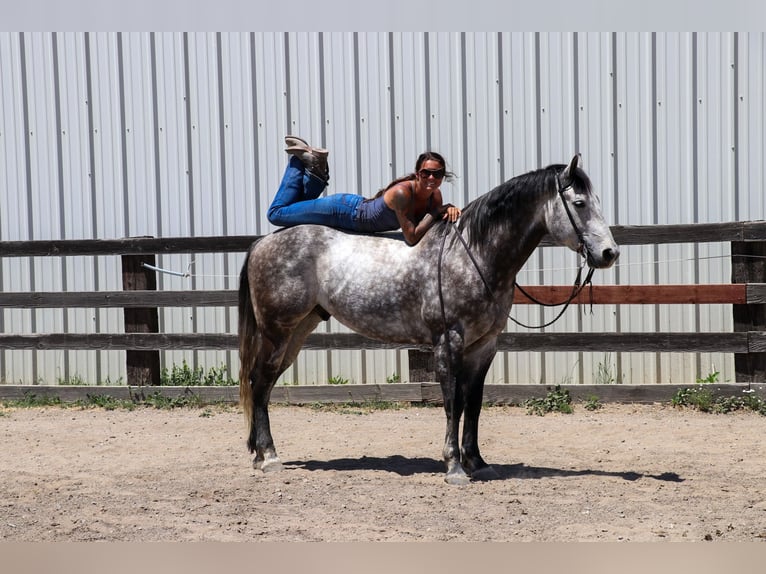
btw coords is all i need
(247, 331)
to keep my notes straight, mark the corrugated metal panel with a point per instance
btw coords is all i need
(169, 134)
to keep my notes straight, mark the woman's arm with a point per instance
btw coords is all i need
(444, 210)
(401, 203)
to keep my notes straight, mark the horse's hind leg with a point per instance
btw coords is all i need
(262, 378)
(275, 354)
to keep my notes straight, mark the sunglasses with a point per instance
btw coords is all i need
(437, 173)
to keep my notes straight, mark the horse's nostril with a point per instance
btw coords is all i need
(610, 254)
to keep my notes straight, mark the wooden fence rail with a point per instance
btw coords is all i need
(738, 294)
(747, 294)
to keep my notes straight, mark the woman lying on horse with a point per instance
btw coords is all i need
(412, 203)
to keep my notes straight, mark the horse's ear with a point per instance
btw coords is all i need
(573, 165)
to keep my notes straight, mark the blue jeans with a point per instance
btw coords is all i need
(297, 201)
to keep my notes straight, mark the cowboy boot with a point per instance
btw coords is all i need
(314, 159)
(291, 141)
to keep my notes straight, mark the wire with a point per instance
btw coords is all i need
(189, 274)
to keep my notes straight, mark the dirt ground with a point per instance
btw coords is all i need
(632, 473)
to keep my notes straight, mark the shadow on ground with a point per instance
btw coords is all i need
(404, 466)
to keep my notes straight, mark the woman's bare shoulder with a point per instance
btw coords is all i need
(400, 194)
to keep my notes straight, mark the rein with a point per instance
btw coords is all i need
(577, 287)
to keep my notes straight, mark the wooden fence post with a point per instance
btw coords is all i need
(748, 265)
(143, 367)
(421, 366)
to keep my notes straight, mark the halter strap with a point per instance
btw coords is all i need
(560, 190)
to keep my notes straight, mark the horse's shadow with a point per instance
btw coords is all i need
(405, 466)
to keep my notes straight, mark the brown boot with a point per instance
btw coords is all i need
(314, 159)
(291, 141)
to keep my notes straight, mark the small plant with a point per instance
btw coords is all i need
(604, 374)
(357, 408)
(33, 400)
(698, 397)
(558, 400)
(74, 380)
(106, 402)
(185, 376)
(394, 378)
(160, 401)
(592, 403)
(702, 398)
(710, 379)
(337, 380)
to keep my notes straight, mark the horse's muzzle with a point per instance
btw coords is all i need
(605, 259)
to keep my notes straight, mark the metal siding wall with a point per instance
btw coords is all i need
(174, 176)
(174, 134)
(16, 273)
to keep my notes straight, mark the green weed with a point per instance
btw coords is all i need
(33, 400)
(711, 378)
(703, 399)
(604, 374)
(358, 408)
(558, 400)
(106, 402)
(160, 401)
(592, 403)
(185, 376)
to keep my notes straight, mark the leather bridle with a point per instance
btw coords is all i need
(577, 287)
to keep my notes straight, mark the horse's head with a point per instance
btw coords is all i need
(573, 217)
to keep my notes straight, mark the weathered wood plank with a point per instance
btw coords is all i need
(516, 394)
(738, 293)
(142, 367)
(118, 341)
(126, 246)
(625, 342)
(684, 233)
(597, 342)
(66, 393)
(756, 341)
(754, 230)
(125, 299)
(756, 293)
(623, 234)
(395, 392)
(748, 265)
(428, 393)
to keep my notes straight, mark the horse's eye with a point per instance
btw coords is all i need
(579, 203)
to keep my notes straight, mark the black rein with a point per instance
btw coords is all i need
(578, 286)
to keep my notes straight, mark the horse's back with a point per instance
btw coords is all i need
(372, 283)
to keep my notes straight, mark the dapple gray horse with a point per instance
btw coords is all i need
(443, 293)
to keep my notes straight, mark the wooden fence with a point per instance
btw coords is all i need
(140, 300)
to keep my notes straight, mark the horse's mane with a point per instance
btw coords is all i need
(511, 202)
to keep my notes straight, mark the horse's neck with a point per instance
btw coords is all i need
(504, 254)
(509, 263)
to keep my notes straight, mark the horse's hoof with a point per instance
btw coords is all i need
(268, 465)
(485, 473)
(457, 479)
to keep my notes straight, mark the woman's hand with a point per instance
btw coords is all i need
(451, 213)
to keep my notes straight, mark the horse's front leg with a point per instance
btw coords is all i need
(448, 356)
(475, 366)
